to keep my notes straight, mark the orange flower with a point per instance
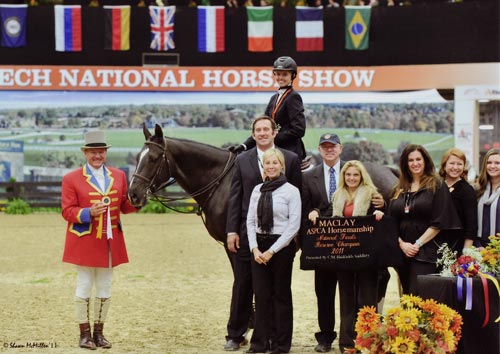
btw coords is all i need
(368, 319)
(414, 335)
(392, 331)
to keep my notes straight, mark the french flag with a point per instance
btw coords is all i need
(211, 29)
(309, 28)
(68, 22)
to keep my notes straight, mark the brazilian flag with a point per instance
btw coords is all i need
(357, 27)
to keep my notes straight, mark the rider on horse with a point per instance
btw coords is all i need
(286, 108)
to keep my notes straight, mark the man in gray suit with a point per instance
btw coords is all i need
(248, 172)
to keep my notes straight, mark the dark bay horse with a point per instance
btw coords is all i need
(205, 173)
(202, 170)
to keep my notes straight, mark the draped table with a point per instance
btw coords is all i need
(475, 340)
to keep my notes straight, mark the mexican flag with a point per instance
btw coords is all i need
(260, 28)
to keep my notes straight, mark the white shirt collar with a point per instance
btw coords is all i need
(336, 167)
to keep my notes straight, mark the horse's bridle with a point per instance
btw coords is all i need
(150, 181)
(211, 187)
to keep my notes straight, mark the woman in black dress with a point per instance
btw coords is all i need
(423, 206)
(454, 170)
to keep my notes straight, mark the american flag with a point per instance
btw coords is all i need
(162, 27)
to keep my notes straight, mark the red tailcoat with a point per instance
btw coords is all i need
(86, 244)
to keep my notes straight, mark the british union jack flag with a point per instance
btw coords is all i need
(162, 27)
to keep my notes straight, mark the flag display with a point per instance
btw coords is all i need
(117, 27)
(357, 27)
(211, 35)
(162, 27)
(309, 28)
(68, 28)
(13, 19)
(260, 28)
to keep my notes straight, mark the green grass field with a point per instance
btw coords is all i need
(134, 139)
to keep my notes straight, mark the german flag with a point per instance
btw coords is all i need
(117, 27)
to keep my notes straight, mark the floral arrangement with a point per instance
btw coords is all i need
(484, 263)
(472, 261)
(491, 256)
(416, 327)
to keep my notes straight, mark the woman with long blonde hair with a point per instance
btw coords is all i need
(357, 289)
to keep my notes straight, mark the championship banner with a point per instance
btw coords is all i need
(351, 244)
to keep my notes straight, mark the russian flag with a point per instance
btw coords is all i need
(68, 22)
(309, 28)
(211, 34)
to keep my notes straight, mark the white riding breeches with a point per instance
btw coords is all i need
(86, 277)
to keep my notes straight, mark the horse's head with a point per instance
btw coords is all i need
(151, 172)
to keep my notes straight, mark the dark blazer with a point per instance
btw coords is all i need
(245, 177)
(465, 202)
(314, 195)
(292, 122)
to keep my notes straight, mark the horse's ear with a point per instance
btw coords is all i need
(147, 134)
(158, 131)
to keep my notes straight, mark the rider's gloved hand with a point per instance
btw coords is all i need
(237, 148)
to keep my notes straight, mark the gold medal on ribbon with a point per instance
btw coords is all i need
(106, 200)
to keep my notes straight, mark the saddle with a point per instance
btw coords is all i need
(306, 163)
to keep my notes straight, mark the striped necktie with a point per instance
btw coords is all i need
(333, 183)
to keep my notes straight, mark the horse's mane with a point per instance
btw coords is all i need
(195, 143)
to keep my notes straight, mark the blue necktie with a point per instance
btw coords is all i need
(333, 183)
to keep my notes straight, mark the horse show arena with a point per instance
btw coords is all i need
(173, 296)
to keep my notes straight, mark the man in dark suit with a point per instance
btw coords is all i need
(317, 189)
(248, 171)
(318, 186)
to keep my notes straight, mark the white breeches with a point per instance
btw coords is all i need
(86, 277)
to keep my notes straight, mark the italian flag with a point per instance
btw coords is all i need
(260, 28)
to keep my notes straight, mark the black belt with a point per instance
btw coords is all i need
(267, 236)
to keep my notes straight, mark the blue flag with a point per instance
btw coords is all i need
(13, 19)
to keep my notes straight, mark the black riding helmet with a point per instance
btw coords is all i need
(286, 63)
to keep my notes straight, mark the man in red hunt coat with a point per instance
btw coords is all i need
(92, 198)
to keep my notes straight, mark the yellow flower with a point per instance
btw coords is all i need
(407, 320)
(391, 315)
(410, 300)
(449, 340)
(403, 345)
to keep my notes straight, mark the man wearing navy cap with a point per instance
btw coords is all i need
(318, 186)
